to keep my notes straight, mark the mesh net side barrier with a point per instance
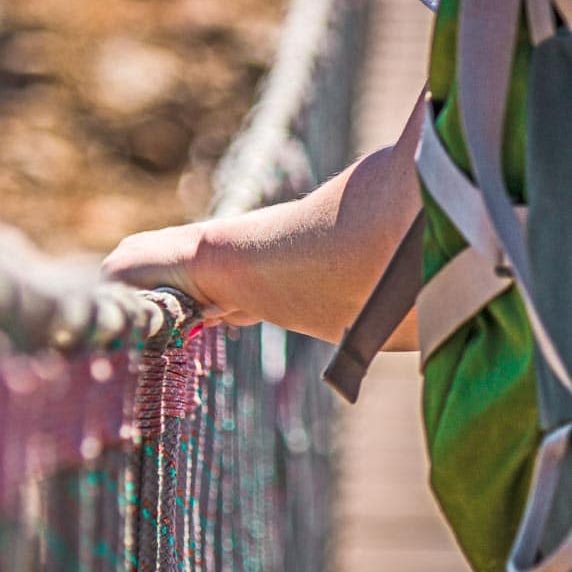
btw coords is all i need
(133, 439)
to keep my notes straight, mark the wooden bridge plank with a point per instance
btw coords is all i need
(385, 518)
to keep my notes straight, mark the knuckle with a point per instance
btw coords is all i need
(107, 269)
(112, 268)
(128, 241)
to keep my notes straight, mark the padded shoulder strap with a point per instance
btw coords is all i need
(486, 43)
(487, 36)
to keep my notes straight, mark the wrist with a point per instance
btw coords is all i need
(217, 267)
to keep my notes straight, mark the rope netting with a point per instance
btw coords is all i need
(133, 439)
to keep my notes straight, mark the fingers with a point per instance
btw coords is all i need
(168, 258)
(114, 270)
(147, 260)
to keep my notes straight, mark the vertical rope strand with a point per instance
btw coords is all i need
(188, 457)
(148, 424)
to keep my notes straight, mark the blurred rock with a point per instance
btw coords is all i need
(112, 216)
(159, 143)
(208, 147)
(44, 106)
(29, 53)
(41, 156)
(105, 102)
(257, 41)
(194, 192)
(131, 76)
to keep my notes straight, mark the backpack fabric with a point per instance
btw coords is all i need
(494, 327)
(479, 398)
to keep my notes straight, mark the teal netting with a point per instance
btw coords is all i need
(165, 456)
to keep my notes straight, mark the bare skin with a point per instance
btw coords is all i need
(307, 265)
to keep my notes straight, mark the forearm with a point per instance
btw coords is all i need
(308, 265)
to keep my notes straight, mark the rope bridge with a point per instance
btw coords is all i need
(133, 439)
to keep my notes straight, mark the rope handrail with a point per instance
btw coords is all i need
(248, 174)
(33, 318)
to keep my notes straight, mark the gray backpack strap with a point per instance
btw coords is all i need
(452, 190)
(387, 306)
(549, 179)
(486, 43)
(548, 473)
(487, 36)
(472, 279)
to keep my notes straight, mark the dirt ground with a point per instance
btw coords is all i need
(105, 103)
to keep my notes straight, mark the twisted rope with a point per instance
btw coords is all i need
(148, 424)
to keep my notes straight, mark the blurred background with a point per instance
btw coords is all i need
(113, 116)
(104, 103)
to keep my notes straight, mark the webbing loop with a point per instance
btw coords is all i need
(548, 471)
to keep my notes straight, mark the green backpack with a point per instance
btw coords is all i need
(495, 320)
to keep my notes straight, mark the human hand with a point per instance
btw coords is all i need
(176, 257)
